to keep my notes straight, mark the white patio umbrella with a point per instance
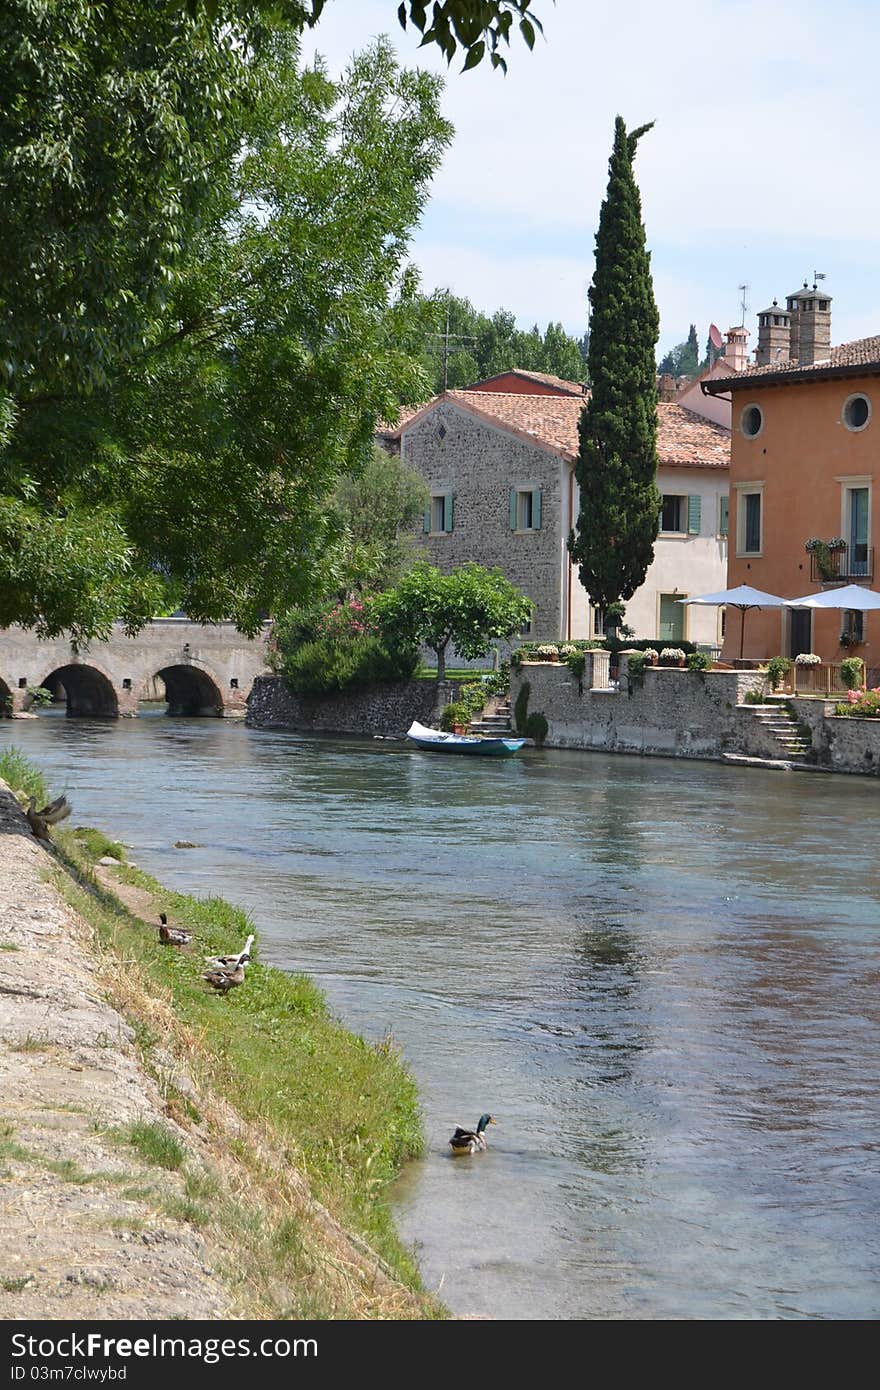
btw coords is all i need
(851, 596)
(742, 597)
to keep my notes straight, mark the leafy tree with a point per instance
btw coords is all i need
(469, 607)
(203, 291)
(477, 27)
(690, 363)
(617, 460)
(378, 510)
(324, 652)
(482, 346)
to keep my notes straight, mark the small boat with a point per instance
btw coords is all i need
(435, 741)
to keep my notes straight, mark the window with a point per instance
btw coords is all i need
(438, 517)
(723, 516)
(856, 412)
(528, 625)
(598, 621)
(722, 623)
(525, 509)
(671, 513)
(751, 421)
(856, 505)
(852, 627)
(680, 515)
(748, 522)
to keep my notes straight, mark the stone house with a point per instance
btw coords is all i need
(500, 468)
(804, 463)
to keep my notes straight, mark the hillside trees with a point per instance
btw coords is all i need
(203, 294)
(482, 345)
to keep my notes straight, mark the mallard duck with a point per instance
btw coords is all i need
(226, 962)
(225, 980)
(172, 936)
(472, 1141)
(39, 821)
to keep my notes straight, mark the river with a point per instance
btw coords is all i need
(661, 977)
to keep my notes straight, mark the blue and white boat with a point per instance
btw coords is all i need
(436, 741)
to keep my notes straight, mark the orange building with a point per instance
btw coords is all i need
(805, 455)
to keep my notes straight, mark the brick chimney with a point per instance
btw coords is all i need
(810, 310)
(775, 336)
(736, 351)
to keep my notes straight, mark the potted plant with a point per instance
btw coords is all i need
(455, 717)
(672, 656)
(547, 651)
(777, 669)
(651, 655)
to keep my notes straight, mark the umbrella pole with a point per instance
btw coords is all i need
(742, 632)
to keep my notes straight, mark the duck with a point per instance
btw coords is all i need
(472, 1141)
(225, 980)
(39, 821)
(172, 936)
(226, 962)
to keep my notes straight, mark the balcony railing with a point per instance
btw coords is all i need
(852, 562)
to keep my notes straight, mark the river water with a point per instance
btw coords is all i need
(661, 977)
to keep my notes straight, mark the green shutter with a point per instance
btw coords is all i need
(427, 521)
(694, 512)
(447, 511)
(725, 511)
(512, 509)
(536, 509)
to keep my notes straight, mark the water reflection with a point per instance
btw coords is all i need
(661, 977)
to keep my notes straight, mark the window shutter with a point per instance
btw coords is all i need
(694, 514)
(513, 509)
(447, 511)
(427, 521)
(536, 509)
(723, 525)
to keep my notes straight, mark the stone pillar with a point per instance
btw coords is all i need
(600, 661)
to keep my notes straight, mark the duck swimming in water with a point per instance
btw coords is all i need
(472, 1141)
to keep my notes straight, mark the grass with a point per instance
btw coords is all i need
(96, 845)
(332, 1106)
(21, 774)
(16, 1285)
(453, 673)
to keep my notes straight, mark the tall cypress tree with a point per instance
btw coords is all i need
(613, 543)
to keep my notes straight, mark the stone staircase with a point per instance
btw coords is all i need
(495, 721)
(783, 730)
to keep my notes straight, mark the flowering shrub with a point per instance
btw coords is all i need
(808, 659)
(651, 653)
(547, 651)
(864, 704)
(836, 543)
(567, 648)
(672, 654)
(345, 620)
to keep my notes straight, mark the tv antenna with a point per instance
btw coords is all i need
(444, 339)
(744, 302)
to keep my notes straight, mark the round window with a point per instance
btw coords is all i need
(751, 421)
(856, 412)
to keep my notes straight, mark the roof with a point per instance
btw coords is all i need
(566, 388)
(860, 357)
(684, 440)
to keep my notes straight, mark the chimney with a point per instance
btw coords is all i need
(775, 336)
(810, 310)
(736, 351)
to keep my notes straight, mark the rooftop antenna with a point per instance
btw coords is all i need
(744, 303)
(445, 339)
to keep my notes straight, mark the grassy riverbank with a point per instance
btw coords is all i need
(271, 1087)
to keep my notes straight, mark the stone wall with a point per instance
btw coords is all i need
(377, 709)
(842, 743)
(677, 713)
(479, 464)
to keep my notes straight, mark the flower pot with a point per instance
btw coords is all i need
(459, 728)
(681, 662)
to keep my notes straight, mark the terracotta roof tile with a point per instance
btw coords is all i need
(863, 352)
(569, 388)
(684, 440)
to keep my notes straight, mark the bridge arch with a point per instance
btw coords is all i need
(88, 691)
(5, 699)
(191, 691)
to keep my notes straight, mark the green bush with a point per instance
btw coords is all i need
(327, 665)
(536, 727)
(521, 707)
(636, 668)
(754, 697)
(699, 661)
(852, 672)
(457, 712)
(473, 696)
(577, 664)
(777, 669)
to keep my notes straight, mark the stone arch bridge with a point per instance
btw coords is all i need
(199, 670)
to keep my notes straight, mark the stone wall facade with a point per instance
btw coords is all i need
(378, 709)
(677, 713)
(479, 464)
(841, 743)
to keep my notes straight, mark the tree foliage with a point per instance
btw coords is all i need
(469, 607)
(377, 511)
(203, 291)
(477, 27)
(482, 345)
(617, 461)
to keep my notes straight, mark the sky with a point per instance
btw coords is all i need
(761, 167)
